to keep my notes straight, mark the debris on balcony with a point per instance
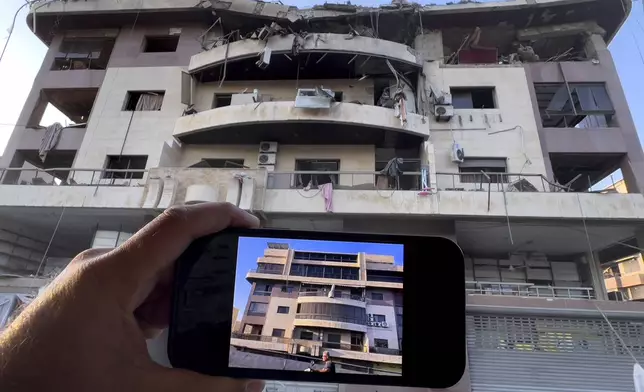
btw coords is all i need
(314, 98)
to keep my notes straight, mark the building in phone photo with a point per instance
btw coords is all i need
(304, 302)
(496, 124)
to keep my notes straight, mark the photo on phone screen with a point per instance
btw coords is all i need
(318, 306)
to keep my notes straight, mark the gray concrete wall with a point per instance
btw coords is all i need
(620, 139)
(128, 49)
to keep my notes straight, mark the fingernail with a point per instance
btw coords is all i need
(254, 386)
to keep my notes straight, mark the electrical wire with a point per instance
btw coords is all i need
(13, 24)
(44, 256)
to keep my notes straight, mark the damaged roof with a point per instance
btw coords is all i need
(386, 20)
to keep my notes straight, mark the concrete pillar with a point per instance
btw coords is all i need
(429, 45)
(427, 158)
(633, 163)
(595, 274)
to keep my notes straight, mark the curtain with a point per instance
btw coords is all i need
(149, 102)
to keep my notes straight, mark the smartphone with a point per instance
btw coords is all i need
(321, 307)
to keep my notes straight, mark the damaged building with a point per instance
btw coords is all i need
(486, 123)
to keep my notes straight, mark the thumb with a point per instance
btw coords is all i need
(179, 380)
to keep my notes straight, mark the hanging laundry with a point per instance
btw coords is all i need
(327, 193)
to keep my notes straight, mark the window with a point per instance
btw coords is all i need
(124, 163)
(316, 165)
(278, 333)
(283, 309)
(337, 96)
(313, 256)
(379, 318)
(381, 343)
(83, 53)
(287, 289)
(473, 98)
(356, 339)
(306, 335)
(257, 308)
(582, 105)
(333, 340)
(471, 169)
(221, 100)
(377, 296)
(143, 100)
(160, 44)
(263, 290)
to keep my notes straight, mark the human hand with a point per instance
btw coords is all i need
(87, 331)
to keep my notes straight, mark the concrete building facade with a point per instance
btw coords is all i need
(496, 120)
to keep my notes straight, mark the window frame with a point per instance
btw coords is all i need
(456, 91)
(123, 175)
(380, 343)
(382, 296)
(146, 42)
(283, 332)
(279, 307)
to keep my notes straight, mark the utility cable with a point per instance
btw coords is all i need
(13, 24)
(44, 256)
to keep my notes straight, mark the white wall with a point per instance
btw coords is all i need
(278, 320)
(388, 333)
(148, 130)
(471, 128)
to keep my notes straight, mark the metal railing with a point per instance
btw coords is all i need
(266, 271)
(351, 180)
(321, 293)
(385, 350)
(259, 338)
(73, 177)
(497, 182)
(528, 290)
(372, 180)
(343, 346)
(326, 317)
(262, 293)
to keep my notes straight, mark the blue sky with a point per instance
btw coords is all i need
(25, 53)
(250, 248)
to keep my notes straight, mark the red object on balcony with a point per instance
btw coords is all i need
(478, 56)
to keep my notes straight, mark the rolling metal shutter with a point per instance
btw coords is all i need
(513, 353)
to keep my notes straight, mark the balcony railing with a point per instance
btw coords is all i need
(528, 290)
(326, 294)
(388, 279)
(325, 317)
(259, 338)
(262, 293)
(343, 346)
(385, 350)
(266, 271)
(73, 177)
(370, 180)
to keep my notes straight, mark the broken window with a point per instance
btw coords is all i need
(143, 100)
(583, 105)
(124, 163)
(83, 53)
(473, 98)
(161, 44)
(471, 170)
(316, 165)
(221, 100)
(337, 96)
(221, 163)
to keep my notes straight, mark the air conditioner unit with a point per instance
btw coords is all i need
(314, 98)
(266, 159)
(267, 147)
(458, 153)
(304, 349)
(264, 58)
(443, 112)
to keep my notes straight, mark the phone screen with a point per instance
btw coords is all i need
(318, 306)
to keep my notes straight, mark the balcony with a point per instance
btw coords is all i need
(521, 195)
(618, 281)
(527, 290)
(330, 321)
(343, 123)
(323, 297)
(385, 350)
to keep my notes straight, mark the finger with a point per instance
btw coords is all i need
(185, 380)
(142, 260)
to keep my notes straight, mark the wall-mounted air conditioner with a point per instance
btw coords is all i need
(264, 58)
(267, 147)
(266, 159)
(458, 153)
(443, 113)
